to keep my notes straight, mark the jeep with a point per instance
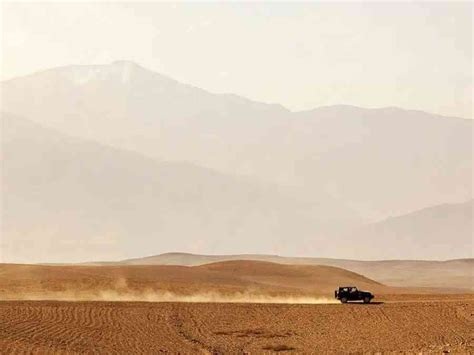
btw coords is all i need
(351, 293)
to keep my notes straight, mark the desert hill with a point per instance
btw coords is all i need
(400, 273)
(231, 277)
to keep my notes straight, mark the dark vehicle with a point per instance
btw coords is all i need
(351, 293)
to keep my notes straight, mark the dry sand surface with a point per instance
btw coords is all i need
(226, 307)
(141, 327)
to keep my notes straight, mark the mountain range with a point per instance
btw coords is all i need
(377, 162)
(64, 197)
(114, 161)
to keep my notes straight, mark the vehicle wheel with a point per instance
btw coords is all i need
(344, 300)
(366, 299)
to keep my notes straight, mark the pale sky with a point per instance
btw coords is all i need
(301, 55)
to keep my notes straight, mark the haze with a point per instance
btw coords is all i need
(409, 55)
(212, 177)
(345, 130)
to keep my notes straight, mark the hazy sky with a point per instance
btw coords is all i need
(302, 55)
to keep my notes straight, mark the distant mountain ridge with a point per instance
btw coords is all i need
(90, 155)
(446, 229)
(373, 161)
(69, 199)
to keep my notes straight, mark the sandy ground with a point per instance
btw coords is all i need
(226, 307)
(140, 327)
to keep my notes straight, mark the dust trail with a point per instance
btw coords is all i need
(166, 296)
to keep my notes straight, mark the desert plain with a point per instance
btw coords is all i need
(237, 306)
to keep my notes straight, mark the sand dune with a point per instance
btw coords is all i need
(452, 274)
(241, 280)
(229, 281)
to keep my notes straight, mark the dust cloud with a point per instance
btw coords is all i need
(166, 296)
(120, 292)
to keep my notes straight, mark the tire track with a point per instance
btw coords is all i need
(185, 325)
